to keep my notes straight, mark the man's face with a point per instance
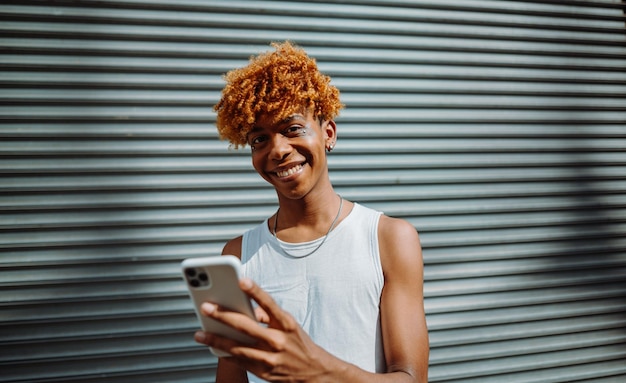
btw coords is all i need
(290, 154)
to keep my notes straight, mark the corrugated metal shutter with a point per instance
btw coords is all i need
(496, 127)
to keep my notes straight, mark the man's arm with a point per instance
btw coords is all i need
(405, 335)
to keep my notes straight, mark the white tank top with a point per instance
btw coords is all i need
(334, 293)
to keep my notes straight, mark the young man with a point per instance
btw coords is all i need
(339, 286)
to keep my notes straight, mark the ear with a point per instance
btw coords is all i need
(330, 134)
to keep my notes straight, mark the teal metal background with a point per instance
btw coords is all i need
(498, 128)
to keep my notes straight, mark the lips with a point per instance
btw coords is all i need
(290, 171)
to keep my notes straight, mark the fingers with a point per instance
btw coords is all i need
(282, 343)
(261, 315)
(264, 338)
(227, 342)
(277, 316)
(237, 321)
(216, 342)
(202, 337)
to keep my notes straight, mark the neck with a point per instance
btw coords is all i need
(311, 207)
(305, 219)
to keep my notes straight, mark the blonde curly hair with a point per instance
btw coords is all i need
(280, 83)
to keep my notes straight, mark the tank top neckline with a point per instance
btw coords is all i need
(304, 246)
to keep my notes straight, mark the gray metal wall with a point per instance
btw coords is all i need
(496, 127)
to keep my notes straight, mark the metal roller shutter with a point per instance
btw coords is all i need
(496, 127)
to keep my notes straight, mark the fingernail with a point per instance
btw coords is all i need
(208, 308)
(246, 283)
(199, 337)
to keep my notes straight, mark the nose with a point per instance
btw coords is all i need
(280, 147)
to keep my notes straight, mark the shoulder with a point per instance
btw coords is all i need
(399, 243)
(233, 247)
(396, 232)
(395, 227)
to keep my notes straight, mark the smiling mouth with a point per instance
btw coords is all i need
(290, 171)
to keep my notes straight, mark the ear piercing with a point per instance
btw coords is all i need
(330, 147)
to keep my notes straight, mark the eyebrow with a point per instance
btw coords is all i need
(256, 128)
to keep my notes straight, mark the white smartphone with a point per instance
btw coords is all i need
(216, 279)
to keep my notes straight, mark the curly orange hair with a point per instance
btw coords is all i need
(277, 83)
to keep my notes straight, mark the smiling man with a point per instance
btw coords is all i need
(339, 286)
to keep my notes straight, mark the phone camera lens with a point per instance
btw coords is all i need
(190, 272)
(196, 277)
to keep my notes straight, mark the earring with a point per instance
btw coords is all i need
(330, 147)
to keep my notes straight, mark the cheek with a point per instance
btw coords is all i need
(256, 162)
(313, 143)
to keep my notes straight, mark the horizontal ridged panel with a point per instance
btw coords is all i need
(495, 127)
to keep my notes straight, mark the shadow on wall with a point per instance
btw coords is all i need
(597, 254)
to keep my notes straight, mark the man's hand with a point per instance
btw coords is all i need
(282, 351)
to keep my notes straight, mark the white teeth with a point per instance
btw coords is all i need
(289, 171)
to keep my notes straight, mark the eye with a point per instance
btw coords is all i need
(295, 131)
(256, 140)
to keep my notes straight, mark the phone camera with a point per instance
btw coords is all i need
(195, 278)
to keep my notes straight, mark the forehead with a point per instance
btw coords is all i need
(268, 121)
